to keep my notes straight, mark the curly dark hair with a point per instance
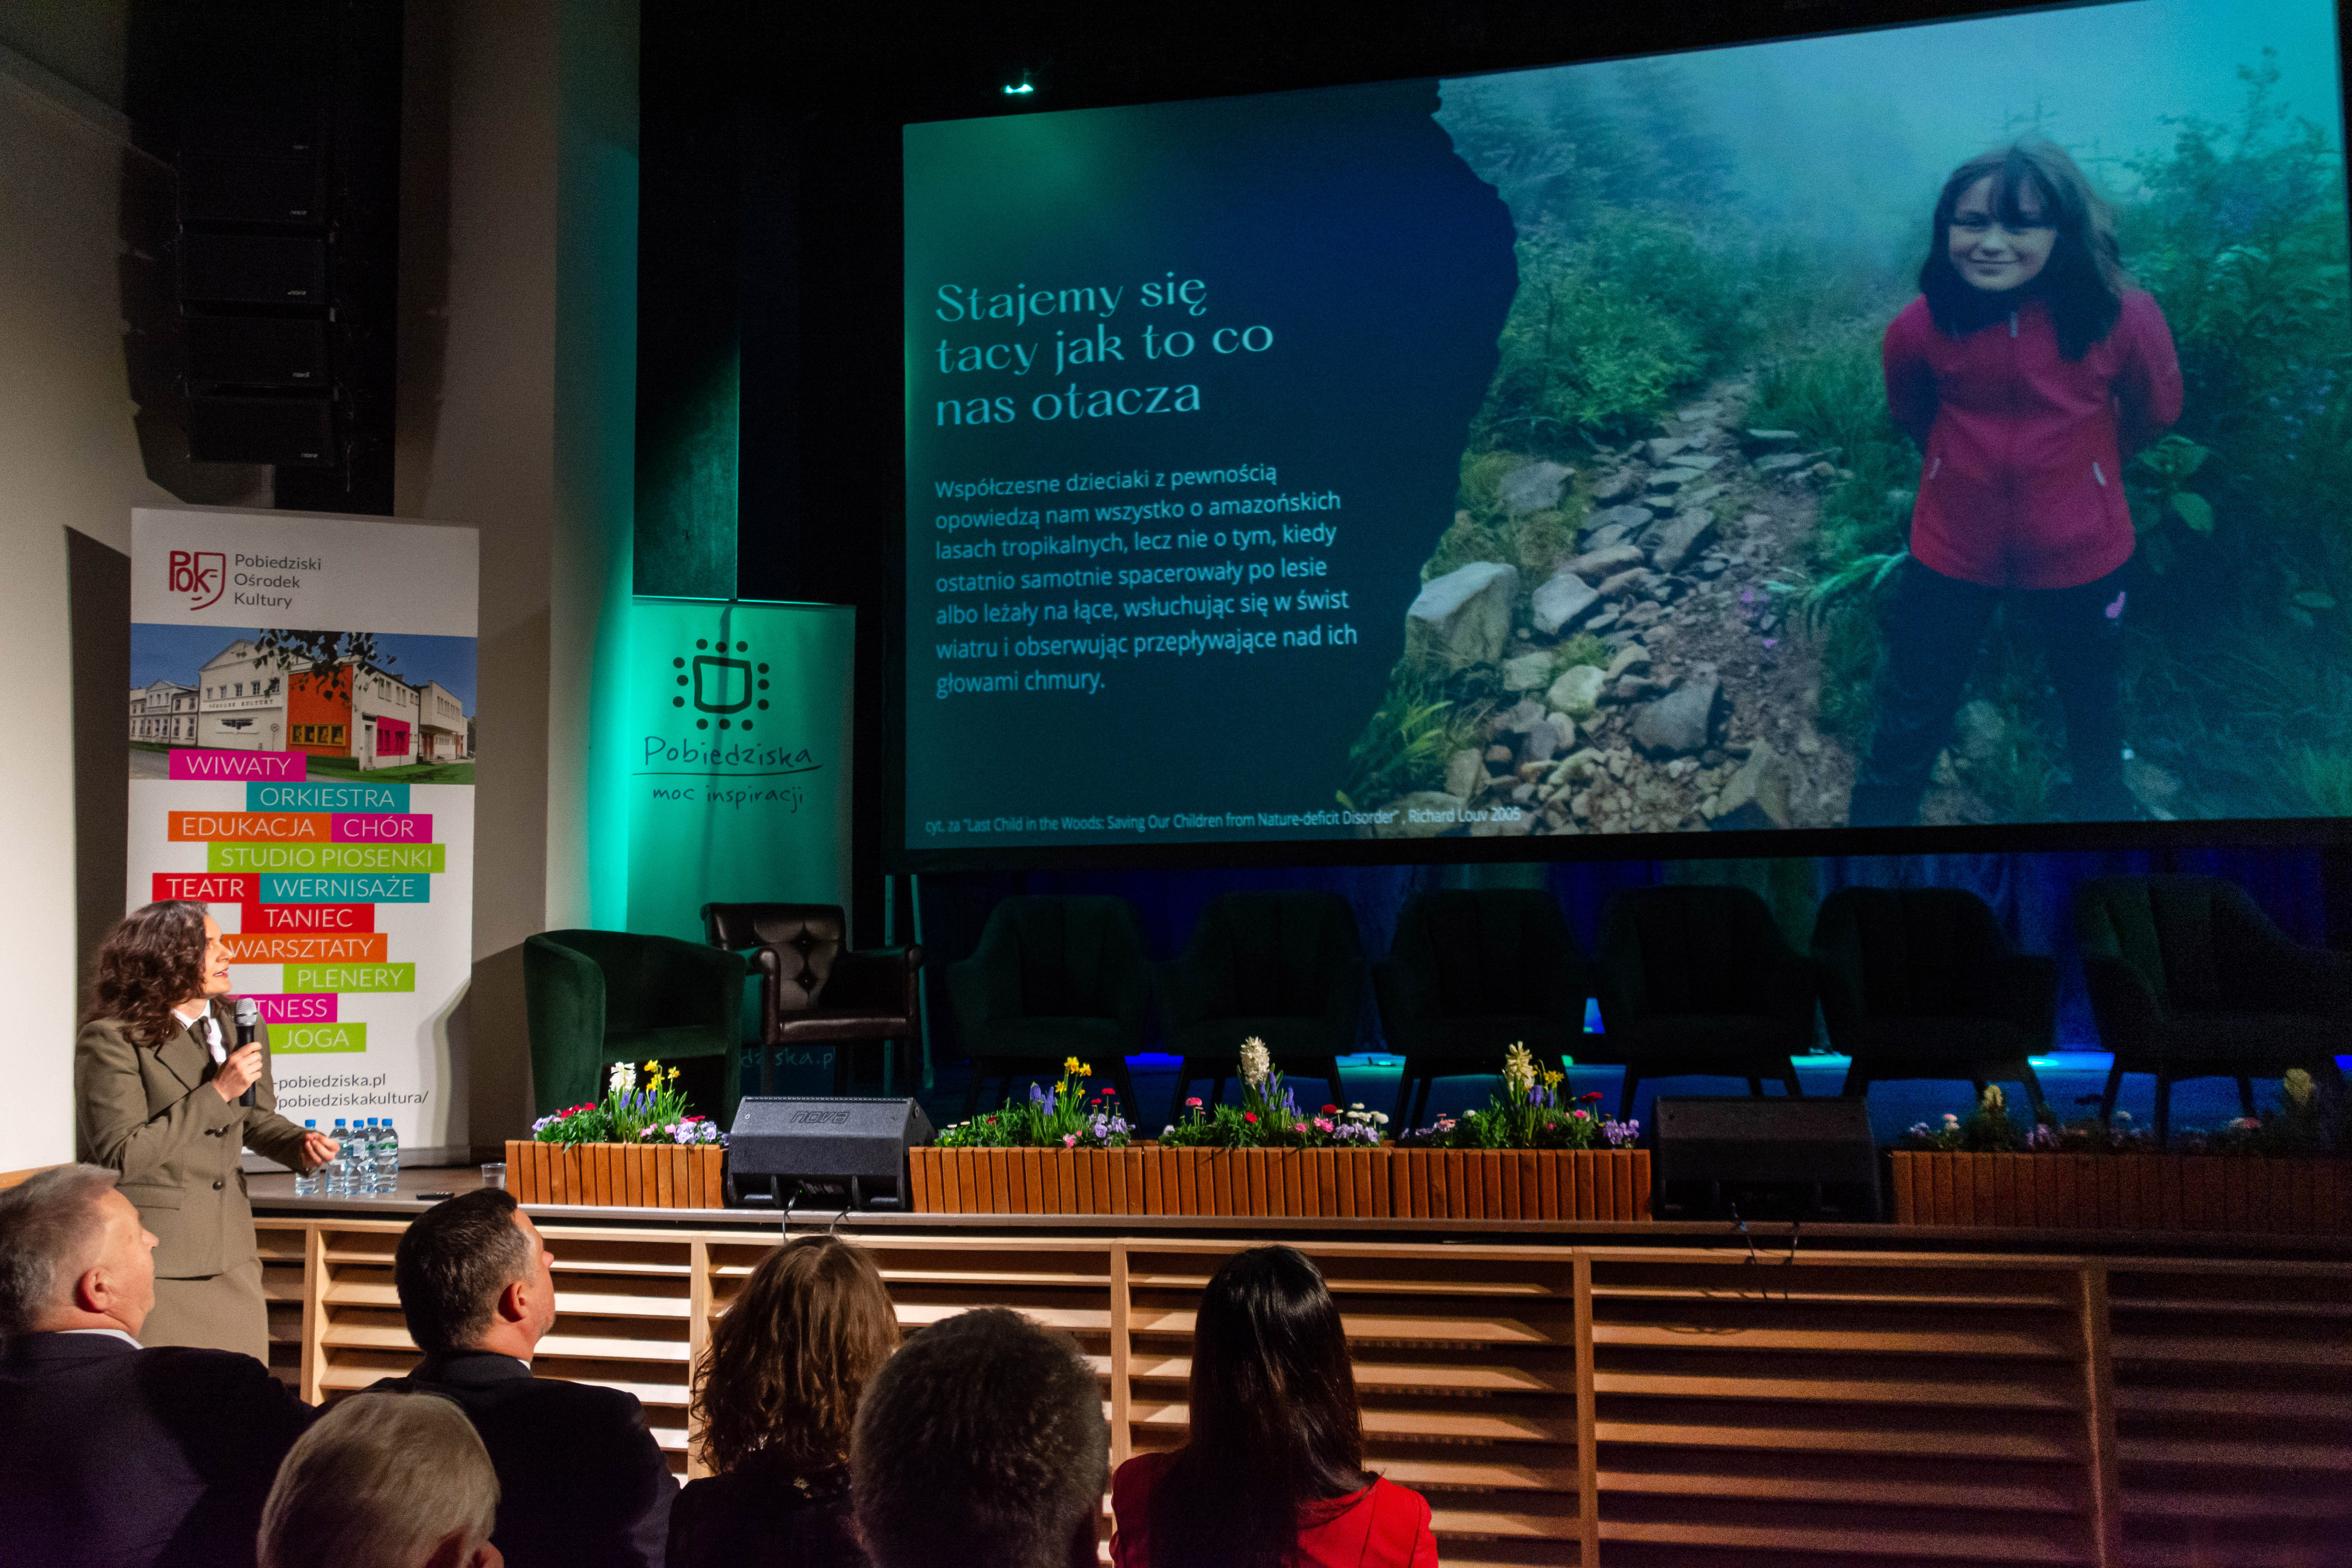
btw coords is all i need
(788, 1363)
(152, 961)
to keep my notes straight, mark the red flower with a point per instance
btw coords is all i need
(1594, 1095)
(1193, 1100)
(1249, 1116)
(1329, 1109)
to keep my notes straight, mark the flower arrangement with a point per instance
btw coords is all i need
(1528, 1113)
(2299, 1127)
(1065, 1116)
(1269, 1116)
(655, 1113)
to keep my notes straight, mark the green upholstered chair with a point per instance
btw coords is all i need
(1471, 972)
(2189, 979)
(1286, 967)
(595, 998)
(1054, 978)
(1699, 980)
(1922, 982)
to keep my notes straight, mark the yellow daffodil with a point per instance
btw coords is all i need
(1070, 1064)
(673, 1073)
(653, 1066)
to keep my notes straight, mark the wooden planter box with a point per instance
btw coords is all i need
(625, 1175)
(1337, 1184)
(2245, 1193)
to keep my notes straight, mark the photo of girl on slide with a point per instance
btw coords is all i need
(1944, 427)
(2028, 372)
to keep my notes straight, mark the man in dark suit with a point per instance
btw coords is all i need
(112, 1455)
(581, 1482)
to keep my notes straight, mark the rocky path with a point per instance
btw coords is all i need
(1696, 710)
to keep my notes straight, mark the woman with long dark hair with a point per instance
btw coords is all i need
(159, 1083)
(777, 1395)
(1272, 1474)
(2029, 371)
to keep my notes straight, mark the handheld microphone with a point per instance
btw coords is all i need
(247, 1017)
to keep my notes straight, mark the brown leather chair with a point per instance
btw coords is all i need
(814, 991)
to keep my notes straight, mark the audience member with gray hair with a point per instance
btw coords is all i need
(384, 1481)
(113, 1456)
(581, 1482)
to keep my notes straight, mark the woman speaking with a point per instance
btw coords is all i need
(158, 1084)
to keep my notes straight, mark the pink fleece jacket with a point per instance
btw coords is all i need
(2023, 482)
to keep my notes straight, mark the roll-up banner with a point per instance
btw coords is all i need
(738, 771)
(301, 728)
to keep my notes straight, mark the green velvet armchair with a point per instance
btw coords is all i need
(595, 997)
(1922, 982)
(1286, 967)
(1471, 972)
(1054, 978)
(2189, 979)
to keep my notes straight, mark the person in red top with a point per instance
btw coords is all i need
(2029, 371)
(1273, 1475)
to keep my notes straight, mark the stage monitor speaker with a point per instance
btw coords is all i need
(292, 432)
(224, 188)
(255, 350)
(252, 269)
(850, 1150)
(1780, 1158)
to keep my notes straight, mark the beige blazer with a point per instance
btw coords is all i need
(150, 1113)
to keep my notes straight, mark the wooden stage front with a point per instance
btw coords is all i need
(1634, 1394)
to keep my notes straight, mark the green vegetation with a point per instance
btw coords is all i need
(1405, 744)
(1645, 274)
(415, 773)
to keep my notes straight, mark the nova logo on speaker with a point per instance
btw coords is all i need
(201, 574)
(717, 684)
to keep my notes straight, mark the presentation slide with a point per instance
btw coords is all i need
(1936, 426)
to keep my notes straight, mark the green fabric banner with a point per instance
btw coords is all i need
(738, 759)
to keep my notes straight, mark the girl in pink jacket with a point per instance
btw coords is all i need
(2029, 371)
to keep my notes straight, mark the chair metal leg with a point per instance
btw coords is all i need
(1123, 1083)
(1754, 1089)
(2246, 1095)
(2107, 1095)
(1402, 1115)
(1329, 1068)
(2033, 1089)
(1857, 1081)
(2163, 1106)
(1625, 1095)
(1796, 1085)
(1183, 1082)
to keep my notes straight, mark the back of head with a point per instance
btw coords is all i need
(981, 1444)
(51, 1230)
(451, 1264)
(380, 1481)
(789, 1361)
(1274, 1418)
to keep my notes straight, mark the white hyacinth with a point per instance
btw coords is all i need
(623, 1077)
(1518, 1069)
(1257, 1064)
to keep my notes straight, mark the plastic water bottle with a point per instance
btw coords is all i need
(362, 1153)
(387, 1159)
(306, 1182)
(339, 1169)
